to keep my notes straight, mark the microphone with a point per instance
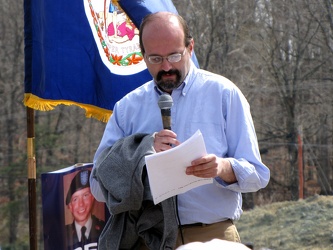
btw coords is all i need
(165, 103)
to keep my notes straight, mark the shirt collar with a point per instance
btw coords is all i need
(87, 225)
(188, 82)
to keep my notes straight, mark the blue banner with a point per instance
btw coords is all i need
(84, 53)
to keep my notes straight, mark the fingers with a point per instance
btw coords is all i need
(202, 171)
(210, 158)
(204, 167)
(211, 166)
(164, 140)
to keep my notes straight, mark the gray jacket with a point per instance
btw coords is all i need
(121, 173)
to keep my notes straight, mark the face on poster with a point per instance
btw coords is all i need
(82, 211)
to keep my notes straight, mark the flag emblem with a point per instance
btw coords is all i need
(116, 36)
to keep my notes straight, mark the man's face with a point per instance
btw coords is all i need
(81, 204)
(166, 41)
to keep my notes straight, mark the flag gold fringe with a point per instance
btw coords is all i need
(40, 104)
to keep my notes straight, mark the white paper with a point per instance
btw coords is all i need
(166, 170)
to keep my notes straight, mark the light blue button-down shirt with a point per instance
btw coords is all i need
(214, 105)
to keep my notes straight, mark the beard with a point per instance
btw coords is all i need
(169, 84)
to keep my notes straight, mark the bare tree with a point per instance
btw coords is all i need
(295, 61)
(11, 75)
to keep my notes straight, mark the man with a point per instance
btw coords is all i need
(86, 228)
(201, 100)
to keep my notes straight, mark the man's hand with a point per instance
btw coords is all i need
(211, 166)
(164, 140)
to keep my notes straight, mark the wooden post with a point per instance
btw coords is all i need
(31, 178)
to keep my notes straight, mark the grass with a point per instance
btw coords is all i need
(304, 224)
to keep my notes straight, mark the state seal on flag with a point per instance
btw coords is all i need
(116, 36)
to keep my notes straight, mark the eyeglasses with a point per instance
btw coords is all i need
(173, 58)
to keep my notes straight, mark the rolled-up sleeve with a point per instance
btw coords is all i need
(243, 150)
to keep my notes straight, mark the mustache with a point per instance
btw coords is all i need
(170, 72)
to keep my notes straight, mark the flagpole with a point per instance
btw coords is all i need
(31, 178)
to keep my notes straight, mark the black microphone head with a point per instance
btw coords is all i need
(165, 101)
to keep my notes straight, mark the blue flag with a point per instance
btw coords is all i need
(84, 53)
